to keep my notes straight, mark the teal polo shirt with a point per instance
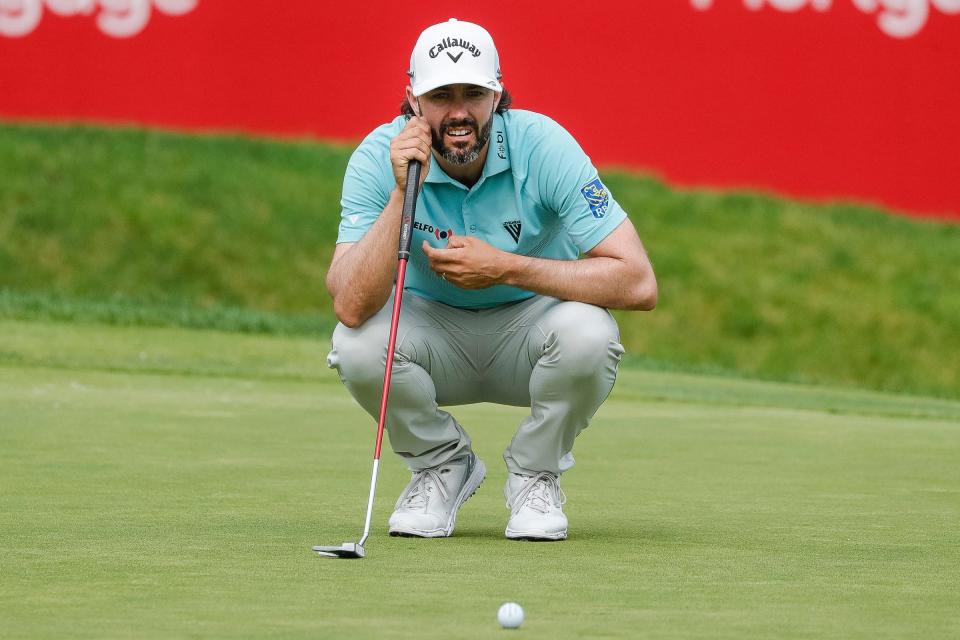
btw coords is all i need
(539, 195)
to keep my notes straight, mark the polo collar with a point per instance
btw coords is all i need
(498, 157)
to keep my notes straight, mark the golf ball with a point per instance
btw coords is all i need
(510, 615)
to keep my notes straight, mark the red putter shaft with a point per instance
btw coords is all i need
(391, 345)
(356, 549)
(403, 255)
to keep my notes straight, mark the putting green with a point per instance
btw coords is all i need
(169, 483)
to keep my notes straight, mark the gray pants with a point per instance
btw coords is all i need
(559, 358)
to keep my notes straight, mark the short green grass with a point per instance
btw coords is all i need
(166, 482)
(141, 227)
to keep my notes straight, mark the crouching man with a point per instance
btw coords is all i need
(497, 305)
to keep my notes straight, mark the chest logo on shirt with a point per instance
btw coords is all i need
(439, 234)
(597, 197)
(513, 228)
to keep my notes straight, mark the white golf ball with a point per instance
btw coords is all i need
(510, 615)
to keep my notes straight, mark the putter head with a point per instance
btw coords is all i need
(346, 550)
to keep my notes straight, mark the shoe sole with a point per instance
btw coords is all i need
(536, 536)
(469, 488)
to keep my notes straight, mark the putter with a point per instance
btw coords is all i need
(355, 549)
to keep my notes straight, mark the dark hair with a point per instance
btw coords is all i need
(505, 101)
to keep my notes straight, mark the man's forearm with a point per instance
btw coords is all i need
(361, 279)
(602, 281)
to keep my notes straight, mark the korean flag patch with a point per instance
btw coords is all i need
(597, 197)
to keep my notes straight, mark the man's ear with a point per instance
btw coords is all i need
(496, 99)
(413, 101)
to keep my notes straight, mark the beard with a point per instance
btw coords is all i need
(455, 155)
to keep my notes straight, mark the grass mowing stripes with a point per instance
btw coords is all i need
(169, 350)
(183, 504)
(835, 294)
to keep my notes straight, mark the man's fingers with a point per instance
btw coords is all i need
(404, 141)
(413, 143)
(456, 242)
(435, 256)
(413, 154)
(452, 254)
(417, 123)
(401, 159)
(410, 143)
(410, 149)
(440, 257)
(417, 128)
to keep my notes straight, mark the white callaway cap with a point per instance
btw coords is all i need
(454, 52)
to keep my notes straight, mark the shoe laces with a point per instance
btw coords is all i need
(540, 492)
(416, 496)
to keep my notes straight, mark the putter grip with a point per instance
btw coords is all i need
(409, 207)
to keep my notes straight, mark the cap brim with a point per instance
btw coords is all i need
(421, 88)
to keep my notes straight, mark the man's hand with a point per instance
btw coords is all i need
(468, 263)
(413, 143)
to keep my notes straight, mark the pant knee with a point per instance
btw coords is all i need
(359, 355)
(584, 335)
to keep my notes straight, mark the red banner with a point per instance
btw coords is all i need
(852, 99)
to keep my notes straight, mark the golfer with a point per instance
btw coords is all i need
(497, 305)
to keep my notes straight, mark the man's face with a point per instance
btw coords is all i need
(460, 116)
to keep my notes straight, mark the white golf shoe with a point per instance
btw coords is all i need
(427, 508)
(536, 505)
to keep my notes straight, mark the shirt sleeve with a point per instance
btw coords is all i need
(569, 184)
(367, 183)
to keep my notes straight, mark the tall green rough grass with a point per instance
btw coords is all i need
(153, 216)
(783, 289)
(126, 225)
